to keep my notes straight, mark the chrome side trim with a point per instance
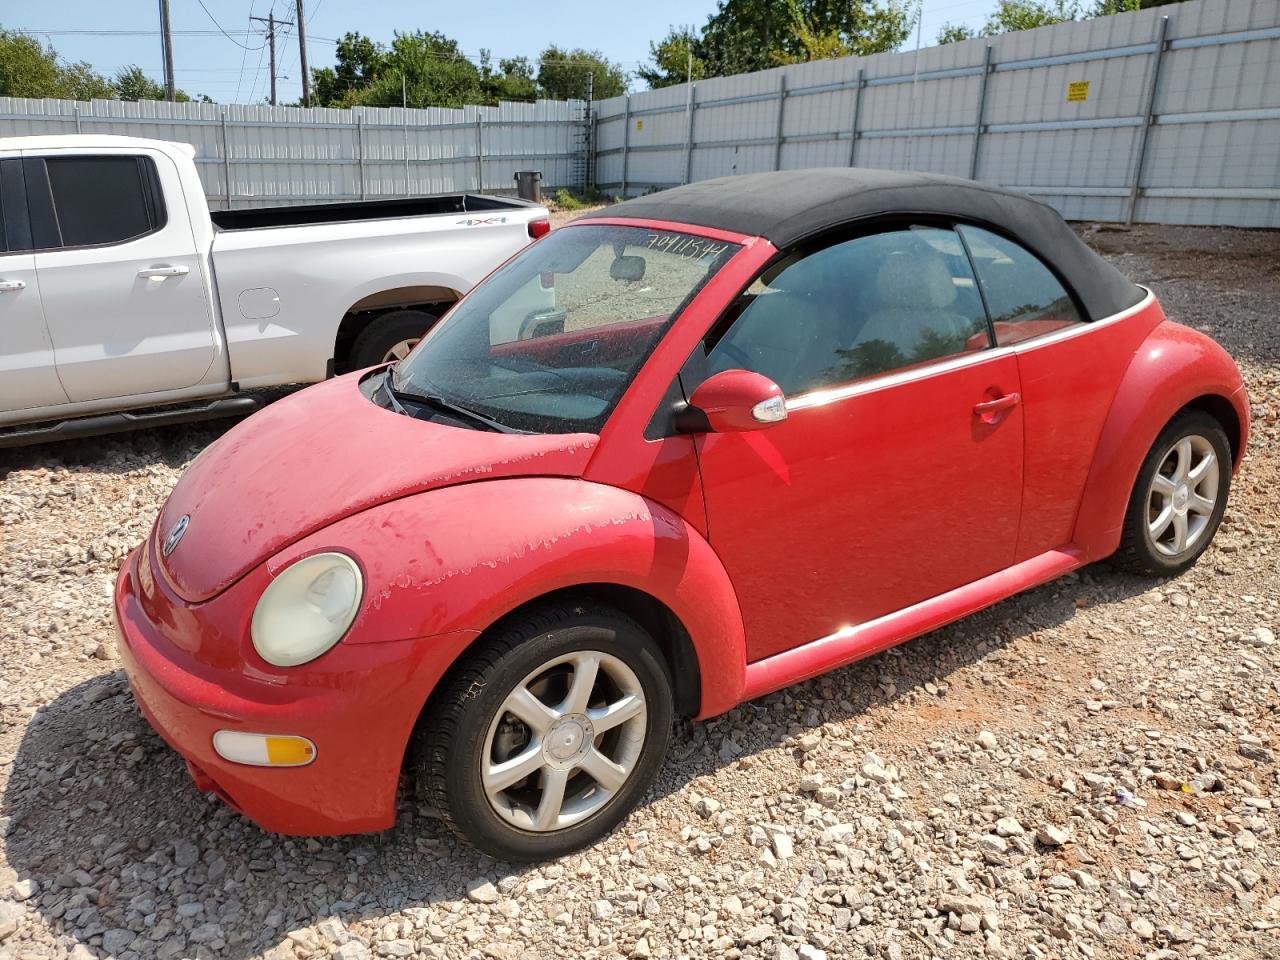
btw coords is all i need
(820, 398)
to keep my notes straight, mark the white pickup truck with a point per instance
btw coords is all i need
(125, 302)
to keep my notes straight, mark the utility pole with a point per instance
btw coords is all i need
(166, 41)
(302, 56)
(271, 22)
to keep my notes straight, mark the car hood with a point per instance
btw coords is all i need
(316, 457)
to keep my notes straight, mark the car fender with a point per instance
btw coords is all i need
(1173, 366)
(460, 558)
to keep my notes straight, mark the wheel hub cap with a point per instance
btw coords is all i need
(568, 741)
(1180, 498)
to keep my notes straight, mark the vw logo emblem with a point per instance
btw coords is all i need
(175, 534)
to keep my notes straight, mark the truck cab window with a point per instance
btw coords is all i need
(101, 200)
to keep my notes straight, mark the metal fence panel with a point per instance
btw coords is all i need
(1179, 123)
(253, 154)
(1167, 115)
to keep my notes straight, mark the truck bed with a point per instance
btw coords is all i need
(257, 218)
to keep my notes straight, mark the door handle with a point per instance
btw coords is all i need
(11, 286)
(162, 271)
(999, 404)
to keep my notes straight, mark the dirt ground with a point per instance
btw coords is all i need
(1085, 770)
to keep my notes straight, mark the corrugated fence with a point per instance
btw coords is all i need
(256, 155)
(1169, 115)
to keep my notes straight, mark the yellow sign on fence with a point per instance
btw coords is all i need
(1078, 91)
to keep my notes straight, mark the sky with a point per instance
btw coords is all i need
(231, 67)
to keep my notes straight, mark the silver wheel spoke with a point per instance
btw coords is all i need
(1197, 474)
(1185, 455)
(1200, 505)
(1161, 523)
(1162, 485)
(1179, 532)
(553, 784)
(604, 771)
(530, 710)
(499, 776)
(585, 667)
(399, 351)
(620, 711)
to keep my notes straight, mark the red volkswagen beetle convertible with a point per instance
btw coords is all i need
(678, 454)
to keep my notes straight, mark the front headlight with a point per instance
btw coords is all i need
(306, 609)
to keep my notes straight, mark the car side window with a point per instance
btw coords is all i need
(856, 309)
(14, 235)
(101, 200)
(1024, 298)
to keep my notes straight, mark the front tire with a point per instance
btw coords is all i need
(1179, 497)
(545, 737)
(390, 337)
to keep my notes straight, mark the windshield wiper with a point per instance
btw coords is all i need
(448, 406)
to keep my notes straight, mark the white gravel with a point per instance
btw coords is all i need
(1085, 770)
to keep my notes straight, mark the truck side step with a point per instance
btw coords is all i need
(94, 426)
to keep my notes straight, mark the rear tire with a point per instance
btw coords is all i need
(546, 736)
(1179, 497)
(383, 337)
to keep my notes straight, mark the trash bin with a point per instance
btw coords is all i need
(527, 184)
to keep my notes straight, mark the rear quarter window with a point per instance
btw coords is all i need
(1023, 296)
(102, 200)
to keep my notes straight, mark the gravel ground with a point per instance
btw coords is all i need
(1084, 770)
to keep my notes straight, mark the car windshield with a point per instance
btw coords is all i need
(550, 341)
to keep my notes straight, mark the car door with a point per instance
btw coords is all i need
(898, 473)
(120, 275)
(28, 378)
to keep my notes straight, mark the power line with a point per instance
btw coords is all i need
(219, 26)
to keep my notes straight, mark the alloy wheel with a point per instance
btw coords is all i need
(564, 741)
(400, 350)
(1182, 496)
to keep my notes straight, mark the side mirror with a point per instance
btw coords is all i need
(627, 268)
(732, 401)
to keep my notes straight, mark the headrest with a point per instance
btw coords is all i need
(916, 279)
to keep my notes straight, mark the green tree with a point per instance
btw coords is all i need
(674, 57)
(423, 70)
(359, 61)
(29, 68)
(955, 32)
(1104, 8)
(1014, 15)
(513, 79)
(418, 70)
(562, 74)
(132, 83)
(78, 81)
(820, 36)
(746, 35)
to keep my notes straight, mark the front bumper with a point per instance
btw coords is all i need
(358, 704)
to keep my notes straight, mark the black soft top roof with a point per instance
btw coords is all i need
(791, 206)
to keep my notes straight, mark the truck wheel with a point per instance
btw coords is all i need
(389, 337)
(1179, 497)
(546, 736)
